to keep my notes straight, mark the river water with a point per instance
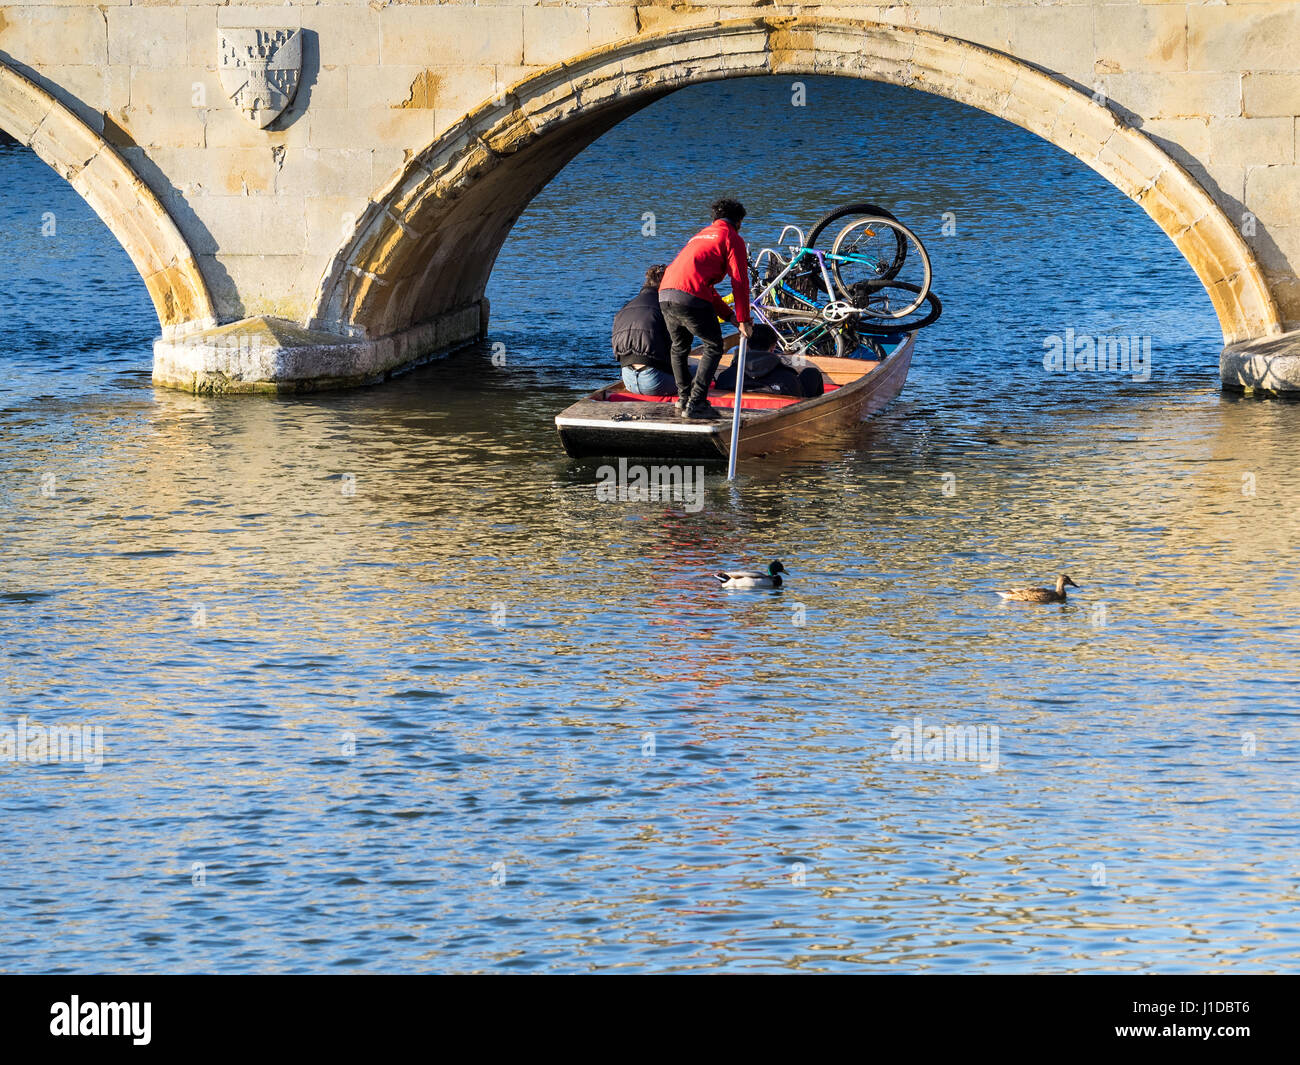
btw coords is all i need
(384, 687)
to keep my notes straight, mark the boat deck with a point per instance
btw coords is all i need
(613, 420)
(835, 372)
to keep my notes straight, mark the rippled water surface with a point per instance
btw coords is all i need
(384, 687)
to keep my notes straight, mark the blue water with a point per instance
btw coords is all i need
(383, 687)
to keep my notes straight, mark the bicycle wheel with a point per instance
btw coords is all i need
(881, 301)
(861, 252)
(854, 211)
(863, 345)
(807, 334)
(849, 210)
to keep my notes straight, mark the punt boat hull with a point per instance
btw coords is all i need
(599, 426)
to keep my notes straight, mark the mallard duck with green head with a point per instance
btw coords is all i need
(752, 578)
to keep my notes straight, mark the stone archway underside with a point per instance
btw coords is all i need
(126, 205)
(425, 247)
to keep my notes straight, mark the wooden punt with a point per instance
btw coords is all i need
(613, 421)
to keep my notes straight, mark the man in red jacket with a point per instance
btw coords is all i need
(692, 306)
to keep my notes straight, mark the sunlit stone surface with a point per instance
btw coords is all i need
(376, 203)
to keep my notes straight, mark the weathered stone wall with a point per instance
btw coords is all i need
(117, 194)
(265, 212)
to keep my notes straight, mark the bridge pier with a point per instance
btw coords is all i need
(346, 226)
(274, 355)
(1268, 366)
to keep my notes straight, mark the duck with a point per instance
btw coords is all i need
(753, 578)
(1040, 595)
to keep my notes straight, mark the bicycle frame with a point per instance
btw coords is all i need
(802, 341)
(764, 296)
(833, 310)
(823, 314)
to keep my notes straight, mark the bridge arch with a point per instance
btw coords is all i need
(126, 205)
(426, 244)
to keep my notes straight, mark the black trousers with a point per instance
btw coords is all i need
(686, 323)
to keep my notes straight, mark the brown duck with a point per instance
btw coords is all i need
(1040, 595)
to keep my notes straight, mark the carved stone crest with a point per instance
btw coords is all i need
(260, 70)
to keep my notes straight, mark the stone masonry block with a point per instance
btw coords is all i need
(149, 36)
(1252, 141)
(445, 35)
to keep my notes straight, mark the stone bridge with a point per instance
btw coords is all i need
(315, 193)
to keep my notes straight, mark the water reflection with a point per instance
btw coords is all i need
(427, 657)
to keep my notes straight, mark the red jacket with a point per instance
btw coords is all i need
(712, 254)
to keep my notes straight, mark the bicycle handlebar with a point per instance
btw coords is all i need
(803, 241)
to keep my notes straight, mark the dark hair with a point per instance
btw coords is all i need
(655, 274)
(732, 210)
(764, 338)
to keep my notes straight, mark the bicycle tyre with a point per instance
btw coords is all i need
(855, 342)
(850, 209)
(880, 326)
(901, 232)
(791, 325)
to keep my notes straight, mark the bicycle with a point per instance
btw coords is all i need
(833, 303)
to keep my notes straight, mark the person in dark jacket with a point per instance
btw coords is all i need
(641, 342)
(766, 371)
(692, 306)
